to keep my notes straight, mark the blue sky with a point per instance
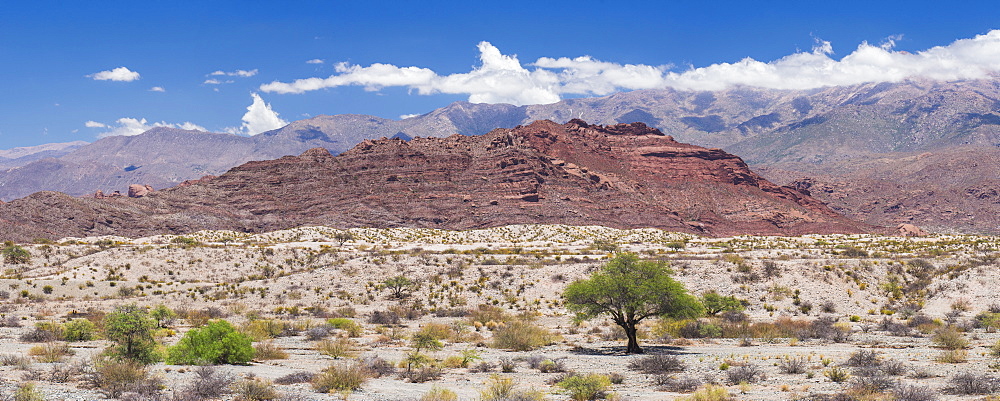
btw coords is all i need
(52, 54)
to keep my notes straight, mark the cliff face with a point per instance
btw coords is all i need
(626, 175)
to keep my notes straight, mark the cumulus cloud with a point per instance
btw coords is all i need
(258, 118)
(127, 126)
(315, 61)
(237, 73)
(118, 74)
(213, 81)
(502, 78)
(157, 89)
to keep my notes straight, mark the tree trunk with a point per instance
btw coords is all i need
(633, 341)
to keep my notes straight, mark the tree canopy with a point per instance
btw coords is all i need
(629, 290)
(131, 328)
(15, 255)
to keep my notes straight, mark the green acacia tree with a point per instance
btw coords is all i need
(715, 303)
(131, 329)
(629, 290)
(398, 286)
(15, 255)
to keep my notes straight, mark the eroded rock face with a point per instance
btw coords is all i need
(625, 176)
(910, 230)
(138, 191)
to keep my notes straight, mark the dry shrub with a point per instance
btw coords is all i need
(710, 392)
(521, 335)
(408, 312)
(657, 364)
(421, 375)
(50, 352)
(953, 356)
(294, 378)
(378, 367)
(793, 365)
(437, 331)
(745, 374)
(339, 348)
(678, 384)
(973, 383)
(41, 334)
(488, 313)
(384, 317)
(268, 350)
(340, 378)
(908, 392)
(113, 377)
(254, 390)
(20, 362)
(949, 338)
(209, 383)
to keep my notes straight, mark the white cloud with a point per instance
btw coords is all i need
(315, 61)
(405, 116)
(213, 81)
(258, 118)
(237, 73)
(157, 89)
(118, 74)
(501, 78)
(131, 126)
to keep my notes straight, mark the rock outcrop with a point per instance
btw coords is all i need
(138, 191)
(625, 175)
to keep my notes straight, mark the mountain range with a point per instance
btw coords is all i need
(921, 152)
(623, 176)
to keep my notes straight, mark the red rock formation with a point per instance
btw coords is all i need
(910, 230)
(138, 191)
(625, 176)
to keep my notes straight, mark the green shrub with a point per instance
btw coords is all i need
(352, 328)
(715, 303)
(131, 329)
(78, 330)
(837, 374)
(340, 378)
(710, 392)
(502, 388)
(437, 393)
(215, 343)
(263, 329)
(28, 392)
(163, 315)
(586, 387)
(520, 335)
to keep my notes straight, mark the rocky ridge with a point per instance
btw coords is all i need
(625, 176)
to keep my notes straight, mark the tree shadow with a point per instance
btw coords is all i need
(620, 350)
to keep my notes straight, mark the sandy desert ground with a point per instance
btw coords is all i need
(843, 298)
